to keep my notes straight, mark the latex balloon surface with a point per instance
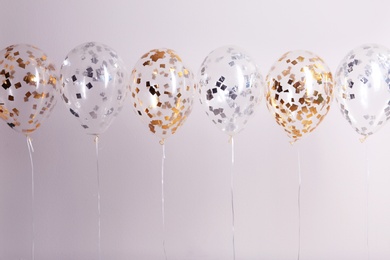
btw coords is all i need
(162, 91)
(94, 85)
(299, 92)
(363, 88)
(28, 87)
(230, 88)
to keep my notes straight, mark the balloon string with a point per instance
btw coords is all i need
(299, 203)
(98, 194)
(31, 150)
(232, 197)
(367, 201)
(163, 197)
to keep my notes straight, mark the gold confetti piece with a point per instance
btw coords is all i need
(157, 55)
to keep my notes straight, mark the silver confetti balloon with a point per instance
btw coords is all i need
(363, 88)
(230, 88)
(94, 85)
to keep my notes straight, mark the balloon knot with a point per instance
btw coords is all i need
(96, 139)
(363, 139)
(162, 141)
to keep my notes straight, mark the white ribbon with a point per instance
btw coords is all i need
(163, 197)
(299, 202)
(232, 198)
(98, 194)
(31, 150)
(367, 201)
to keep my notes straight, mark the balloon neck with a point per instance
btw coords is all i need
(363, 139)
(230, 139)
(162, 141)
(293, 142)
(96, 139)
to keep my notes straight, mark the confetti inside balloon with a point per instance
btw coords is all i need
(230, 88)
(94, 86)
(162, 91)
(28, 87)
(363, 88)
(299, 92)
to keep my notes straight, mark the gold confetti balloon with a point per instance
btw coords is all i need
(299, 92)
(363, 88)
(28, 87)
(230, 88)
(94, 85)
(162, 91)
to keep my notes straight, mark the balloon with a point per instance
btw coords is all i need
(28, 92)
(299, 92)
(162, 91)
(93, 79)
(230, 88)
(363, 88)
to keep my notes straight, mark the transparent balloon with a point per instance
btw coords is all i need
(230, 88)
(94, 85)
(363, 88)
(162, 91)
(299, 92)
(28, 91)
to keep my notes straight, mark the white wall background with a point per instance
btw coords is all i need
(198, 213)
